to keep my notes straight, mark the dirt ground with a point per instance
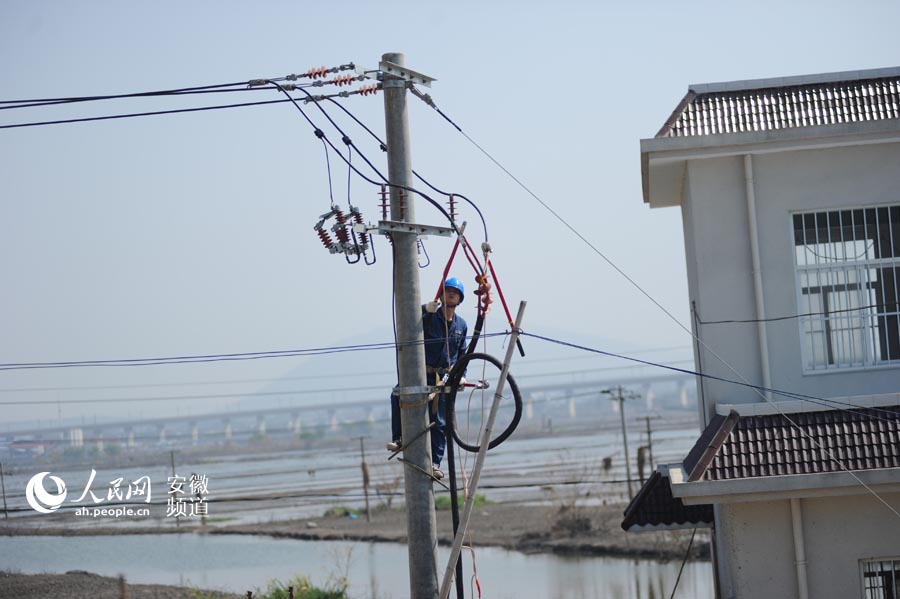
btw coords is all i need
(594, 530)
(83, 585)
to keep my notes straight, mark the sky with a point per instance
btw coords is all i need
(192, 234)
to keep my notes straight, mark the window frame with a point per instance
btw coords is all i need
(895, 563)
(864, 335)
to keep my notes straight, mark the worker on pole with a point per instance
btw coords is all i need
(445, 343)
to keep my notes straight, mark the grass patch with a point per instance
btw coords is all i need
(220, 519)
(442, 502)
(340, 511)
(303, 589)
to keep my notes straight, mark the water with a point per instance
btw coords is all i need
(239, 563)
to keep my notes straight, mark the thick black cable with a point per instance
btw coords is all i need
(426, 197)
(128, 95)
(349, 142)
(160, 94)
(140, 114)
(453, 381)
(383, 147)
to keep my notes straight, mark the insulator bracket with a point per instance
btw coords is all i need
(397, 72)
(391, 226)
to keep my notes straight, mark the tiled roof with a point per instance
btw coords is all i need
(861, 439)
(786, 103)
(734, 446)
(654, 507)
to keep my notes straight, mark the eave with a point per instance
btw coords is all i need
(664, 159)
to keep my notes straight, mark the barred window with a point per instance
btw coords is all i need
(881, 579)
(847, 265)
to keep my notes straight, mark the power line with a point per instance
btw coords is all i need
(140, 114)
(383, 147)
(795, 316)
(206, 89)
(349, 142)
(199, 358)
(183, 397)
(835, 404)
(671, 316)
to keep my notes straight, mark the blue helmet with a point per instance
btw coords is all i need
(454, 283)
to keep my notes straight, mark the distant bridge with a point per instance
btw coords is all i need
(226, 425)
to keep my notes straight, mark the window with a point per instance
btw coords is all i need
(881, 579)
(847, 265)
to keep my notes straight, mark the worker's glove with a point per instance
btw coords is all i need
(462, 383)
(431, 307)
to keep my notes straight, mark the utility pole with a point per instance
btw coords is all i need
(647, 419)
(172, 456)
(421, 529)
(620, 397)
(365, 475)
(3, 485)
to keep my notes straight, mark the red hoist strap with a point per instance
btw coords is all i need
(479, 271)
(447, 269)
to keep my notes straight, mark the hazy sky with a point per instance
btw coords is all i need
(193, 233)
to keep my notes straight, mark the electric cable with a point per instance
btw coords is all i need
(687, 554)
(838, 405)
(893, 305)
(372, 347)
(453, 382)
(188, 91)
(116, 96)
(193, 359)
(319, 133)
(671, 316)
(383, 147)
(140, 114)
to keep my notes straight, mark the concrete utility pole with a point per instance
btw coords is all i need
(420, 522)
(3, 485)
(619, 396)
(647, 419)
(365, 475)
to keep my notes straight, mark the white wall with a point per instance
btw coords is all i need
(756, 550)
(719, 263)
(838, 532)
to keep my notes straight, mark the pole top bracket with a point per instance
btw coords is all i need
(398, 72)
(393, 226)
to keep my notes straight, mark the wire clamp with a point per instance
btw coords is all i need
(403, 391)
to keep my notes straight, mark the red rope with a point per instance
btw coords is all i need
(447, 269)
(500, 293)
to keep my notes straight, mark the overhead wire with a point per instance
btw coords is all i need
(140, 114)
(795, 316)
(349, 142)
(13, 104)
(383, 147)
(487, 154)
(838, 405)
(671, 316)
(379, 346)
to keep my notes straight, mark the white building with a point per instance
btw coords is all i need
(790, 197)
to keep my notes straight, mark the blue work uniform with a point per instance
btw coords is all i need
(445, 343)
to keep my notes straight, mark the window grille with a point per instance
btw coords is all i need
(847, 266)
(881, 579)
